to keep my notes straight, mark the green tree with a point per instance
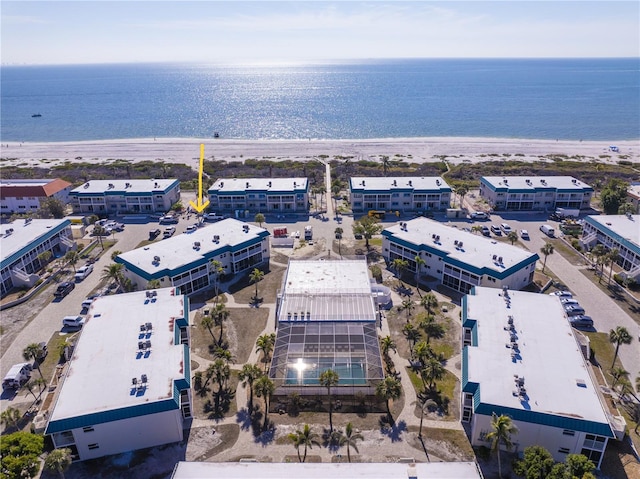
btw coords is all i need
(52, 207)
(264, 388)
(44, 257)
(536, 463)
(408, 305)
(349, 439)
(599, 252)
(513, 237)
(19, 454)
(546, 250)
(153, 284)
(34, 352)
(338, 232)
(429, 302)
(58, 461)
(613, 195)
(304, 437)
(425, 405)
(328, 379)
(248, 375)
(72, 257)
(220, 314)
(461, 191)
(423, 352)
(255, 277)
(387, 344)
(619, 336)
(431, 328)
(207, 322)
(385, 164)
(432, 371)
(412, 334)
(399, 265)
(367, 227)
(113, 272)
(10, 417)
(502, 428)
(259, 218)
(115, 254)
(264, 344)
(419, 264)
(618, 374)
(389, 389)
(216, 269)
(612, 256)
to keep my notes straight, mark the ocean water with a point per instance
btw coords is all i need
(590, 99)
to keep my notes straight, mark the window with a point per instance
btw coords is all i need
(87, 429)
(93, 446)
(564, 450)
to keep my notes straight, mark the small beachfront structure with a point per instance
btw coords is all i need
(520, 358)
(24, 196)
(259, 195)
(326, 319)
(127, 385)
(403, 194)
(621, 232)
(104, 197)
(535, 193)
(184, 260)
(633, 196)
(456, 258)
(23, 241)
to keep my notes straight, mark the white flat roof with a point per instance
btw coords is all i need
(555, 374)
(476, 251)
(228, 185)
(120, 186)
(328, 290)
(24, 233)
(234, 470)
(106, 356)
(533, 182)
(626, 227)
(178, 250)
(385, 183)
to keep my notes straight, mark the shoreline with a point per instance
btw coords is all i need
(417, 150)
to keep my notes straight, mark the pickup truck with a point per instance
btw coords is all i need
(168, 231)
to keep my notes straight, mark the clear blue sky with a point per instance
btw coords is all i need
(59, 32)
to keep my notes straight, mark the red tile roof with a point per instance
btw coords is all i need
(37, 191)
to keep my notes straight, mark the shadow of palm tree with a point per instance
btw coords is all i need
(266, 436)
(331, 440)
(393, 430)
(244, 419)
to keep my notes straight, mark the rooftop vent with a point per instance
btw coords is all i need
(574, 181)
(395, 183)
(196, 245)
(216, 238)
(438, 182)
(500, 259)
(247, 185)
(111, 185)
(86, 185)
(460, 244)
(455, 242)
(27, 221)
(156, 259)
(221, 184)
(156, 185)
(245, 228)
(363, 183)
(410, 183)
(269, 184)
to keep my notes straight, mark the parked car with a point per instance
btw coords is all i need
(581, 321)
(168, 231)
(153, 234)
(191, 229)
(506, 229)
(574, 310)
(524, 234)
(169, 219)
(485, 231)
(73, 322)
(64, 289)
(17, 376)
(86, 304)
(565, 300)
(213, 217)
(562, 294)
(496, 230)
(479, 215)
(548, 230)
(82, 273)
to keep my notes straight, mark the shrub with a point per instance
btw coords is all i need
(376, 272)
(576, 244)
(618, 279)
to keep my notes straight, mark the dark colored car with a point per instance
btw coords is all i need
(485, 231)
(64, 289)
(581, 322)
(153, 234)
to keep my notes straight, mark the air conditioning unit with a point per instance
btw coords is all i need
(156, 259)
(216, 238)
(460, 244)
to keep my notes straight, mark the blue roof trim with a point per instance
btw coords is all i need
(402, 190)
(127, 192)
(552, 420)
(34, 244)
(615, 236)
(113, 415)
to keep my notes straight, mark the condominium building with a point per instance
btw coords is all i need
(24, 196)
(455, 258)
(259, 195)
(620, 232)
(127, 385)
(184, 260)
(404, 194)
(520, 358)
(537, 193)
(125, 196)
(23, 241)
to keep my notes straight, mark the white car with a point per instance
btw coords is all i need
(506, 229)
(191, 229)
(524, 234)
(562, 294)
(72, 322)
(168, 231)
(82, 273)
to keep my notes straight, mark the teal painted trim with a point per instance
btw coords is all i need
(127, 192)
(8, 261)
(543, 419)
(465, 366)
(615, 236)
(185, 383)
(112, 415)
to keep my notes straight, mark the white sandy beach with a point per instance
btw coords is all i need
(187, 150)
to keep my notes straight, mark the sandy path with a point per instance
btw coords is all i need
(186, 150)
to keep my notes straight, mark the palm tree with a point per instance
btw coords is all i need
(30, 385)
(220, 314)
(336, 188)
(304, 437)
(34, 352)
(385, 164)
(412, 334)
(513, 237)
(502, 429)
(462, 190)
(367, 227)
(322, 189)
(612, 257)
(58, 461)
(255, 277)
(422, 352)
(113, 272)
(387, 344)
(408, 306)
(115, 254)
(216, 269)
(419, 264)
(259, 218)
(431, 372)
(399, 265)
(44, 257)
(429, 302)
(338, 232)
(328, 379)
(425, 405)
(265, 345)
(476, 229)
(264, 387)
(430, 326)
(72, 257)
(619, 336)
(546, 250)
(248, 375)
(389, 389)
(618, 374)
(10, 417)
(153, 284)
(207, 322)
(599, 252)
(349, 438)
